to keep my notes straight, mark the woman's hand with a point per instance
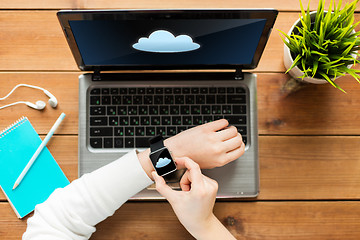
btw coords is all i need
(194, 204)
(213, 144)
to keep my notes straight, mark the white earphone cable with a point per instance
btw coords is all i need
(11, 104)
(20, 85)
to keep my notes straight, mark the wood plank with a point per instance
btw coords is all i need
(291, 167)
(245, 220)
(33, 40)
(316, 109)
(282, 5)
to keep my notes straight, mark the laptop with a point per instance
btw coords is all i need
(198, 56)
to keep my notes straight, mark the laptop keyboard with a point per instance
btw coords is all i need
(128, 117)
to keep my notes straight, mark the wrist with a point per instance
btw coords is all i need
(145, 162)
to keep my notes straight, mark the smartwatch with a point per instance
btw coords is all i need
(160, 156)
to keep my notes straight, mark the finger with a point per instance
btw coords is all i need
(233, 143)
(195, 175)
(185, 182)
(227, 133)
(161, 187)
(235, 154)
(216, 125)
(180, 163)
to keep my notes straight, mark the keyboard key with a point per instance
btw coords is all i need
(200, 99)
(164, 110)
(141, 91)
(158, 99)
(208, 118)
(96, 142)
(143, 110)
(197, 120)
(113, 121)
(129, 131)
(115, 100)
(184, 110)
(186, 90)
(205, 109)
(132, 90)
(142, 142)
(169, 99)
(165, 120)
(126, 99)
(98, 121)
(108, 142)
(226, 109)
(161, 131)
(195, 90)
(177, 90)
(118, 142)
(204, 90)
(174, 110)
(190, 99)
(159, 90)
(137, 99)
(94, 100)
(150, 131)
(212, 90)
(176, 120)
(168, 91)
(122, 110)
(242, 130)
(210, 99)
(139, 131)
(111, 110)
(123, 121)
(216, 109)
(171, 131)
(123, 91)
(236, 99)
(101, 131)
(119, 131)
(114, 91)
(153, 110)
(105, 91)
(155, 120)
(181, 129)
(145, 120)
(105, 100)
(221, 90)
(148, 99)
(132, 110)
(134, 121)
(220, 99)
(239, 109)
(240, 90)
(244, 138)
(95, 91)
(195, 109)
(230, 90)
(236, 119)
(150, 90)
(187, 120)
(179, 99)
(129, 142)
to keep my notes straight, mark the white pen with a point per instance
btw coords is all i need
(38, 151)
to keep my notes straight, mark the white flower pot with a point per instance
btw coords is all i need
(288, 60)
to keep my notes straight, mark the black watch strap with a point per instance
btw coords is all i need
(156, 143)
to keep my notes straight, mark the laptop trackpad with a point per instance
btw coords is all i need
(172, 180)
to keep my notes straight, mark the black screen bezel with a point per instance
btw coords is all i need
(65, 16)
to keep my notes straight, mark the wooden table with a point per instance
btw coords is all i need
(309, 140)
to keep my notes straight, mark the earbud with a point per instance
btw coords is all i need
(52, 101)
(39, 105)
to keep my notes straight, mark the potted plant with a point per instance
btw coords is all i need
(322, 45)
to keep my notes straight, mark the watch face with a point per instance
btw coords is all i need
(162, 162)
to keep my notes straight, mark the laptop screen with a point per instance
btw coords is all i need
(128, 39)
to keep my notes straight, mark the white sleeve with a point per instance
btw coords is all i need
(72, 212)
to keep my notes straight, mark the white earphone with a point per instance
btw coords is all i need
(39, 105)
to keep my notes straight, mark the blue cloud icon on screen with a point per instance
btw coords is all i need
(163, 41)
(162, 162)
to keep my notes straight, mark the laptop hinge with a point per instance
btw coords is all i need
(239, 75)
(96, 75)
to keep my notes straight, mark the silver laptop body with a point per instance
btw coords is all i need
(239, 178)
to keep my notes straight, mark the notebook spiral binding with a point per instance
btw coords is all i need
(12, 126)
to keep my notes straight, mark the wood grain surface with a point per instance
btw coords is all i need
(309, 143)
(246, 220)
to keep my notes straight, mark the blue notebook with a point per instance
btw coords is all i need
(18, 143)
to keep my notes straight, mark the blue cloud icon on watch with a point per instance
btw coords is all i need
(162, 41)
(162, 162)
